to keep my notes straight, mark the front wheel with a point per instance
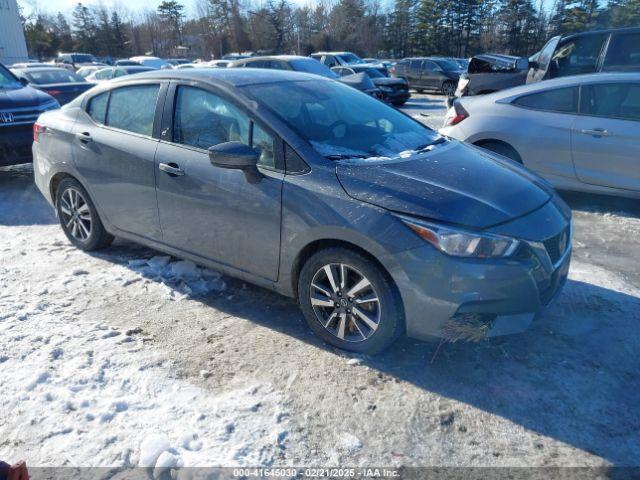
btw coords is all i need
(79, 218)
(349, 302)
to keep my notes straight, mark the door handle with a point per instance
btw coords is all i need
(596, 132)
(84, 137)
(172, 169)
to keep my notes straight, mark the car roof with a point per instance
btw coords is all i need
(271, 57)
(606, 31)
(331, 53)
(568, 81)
(40, 69)
(235, 77)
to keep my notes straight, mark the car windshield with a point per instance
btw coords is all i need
(340, 122)
(312, 66)
(349, 58)
(44, 77)
(7, 80)
(448, 65)
(137, 70)
(83, 58)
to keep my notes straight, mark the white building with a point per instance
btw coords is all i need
(13, 47)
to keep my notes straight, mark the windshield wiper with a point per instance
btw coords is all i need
(437, 141)
(342, 156)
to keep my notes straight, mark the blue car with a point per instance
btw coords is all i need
(20, 106)
(375, 223)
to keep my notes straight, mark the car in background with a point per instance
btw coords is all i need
(237, 56)
(462, 62)
(374, 222)
(31, 65)
(20, 106)
(153, 62)
(73, 61)
(296, 63)
(125, 62)
(333, 59)
(84, 72)
(394, 90)
(178, 61)
(60, 83)
(580, 132)
(109, 73)
(216, 63)
(429, 73)
(489, 73)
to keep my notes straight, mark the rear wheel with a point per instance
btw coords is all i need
(349, 302)
(79, 218)
(448, 88)
(501, 148)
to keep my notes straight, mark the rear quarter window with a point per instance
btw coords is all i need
(97, 108)
(561, 100)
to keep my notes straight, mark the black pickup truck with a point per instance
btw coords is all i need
(20, 106)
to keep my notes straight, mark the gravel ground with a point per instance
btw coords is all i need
(228, 373)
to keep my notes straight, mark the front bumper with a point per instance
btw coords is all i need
(15, 144)
(396, 96)
(505, 294)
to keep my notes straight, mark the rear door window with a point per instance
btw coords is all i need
(429, 65)
(623, 53)
(563, 100)
(133, 108)
(577, 55)
(612, 100)
(415, 65)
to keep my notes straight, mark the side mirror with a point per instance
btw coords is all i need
(237, 156)
(522, 63)
(24, 81)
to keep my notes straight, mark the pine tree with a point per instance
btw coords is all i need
(84, 28)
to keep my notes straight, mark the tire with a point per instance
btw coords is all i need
(79, 218)
(448, 88)
(419, 90)
(503, 149)
(336, 317)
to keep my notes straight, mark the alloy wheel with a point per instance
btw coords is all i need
(449, 89)
(76, 214)
(345, 302)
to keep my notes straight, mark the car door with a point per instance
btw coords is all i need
(606, 138)
(542, 62)
(541, 130)
(430, 74)
(219, 214)
(114, 152)
(413, 73)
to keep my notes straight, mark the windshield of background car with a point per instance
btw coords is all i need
(45, 77)
(448, 65)
(341, 122)
(349, 58)
(83, 58)
(7, 80)
(312, 66)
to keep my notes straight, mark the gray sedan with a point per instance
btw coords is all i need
(298, 183)
(580, 133)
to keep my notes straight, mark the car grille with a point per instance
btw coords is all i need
(399, 87)
(557, 246)
(20, 116)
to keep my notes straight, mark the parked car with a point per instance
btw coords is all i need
(360, 82)
(20, 106)
(489, 73)
(216, 63)
(616, 50)
(178, 61)
(60, 83)
(333, 59)
(125, 62)
(73, 61)
(394, 90)
(429, 73)
(153, 62)
(374, 222)
(31, 65)
(110, 73)
(84, 72)
(580, 132)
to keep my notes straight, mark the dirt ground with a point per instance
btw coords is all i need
(565, 393)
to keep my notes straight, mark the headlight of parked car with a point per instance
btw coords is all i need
(461, 243)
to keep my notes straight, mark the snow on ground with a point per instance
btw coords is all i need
(130, 357)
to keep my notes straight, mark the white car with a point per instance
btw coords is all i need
(153, 62)
(580, 133)
(84, 72)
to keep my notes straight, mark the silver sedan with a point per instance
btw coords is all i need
(580, 133)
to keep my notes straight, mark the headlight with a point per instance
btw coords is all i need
(460, 243)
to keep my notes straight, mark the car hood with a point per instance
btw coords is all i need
(454, 183)
(22, 97)
(382, 82)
